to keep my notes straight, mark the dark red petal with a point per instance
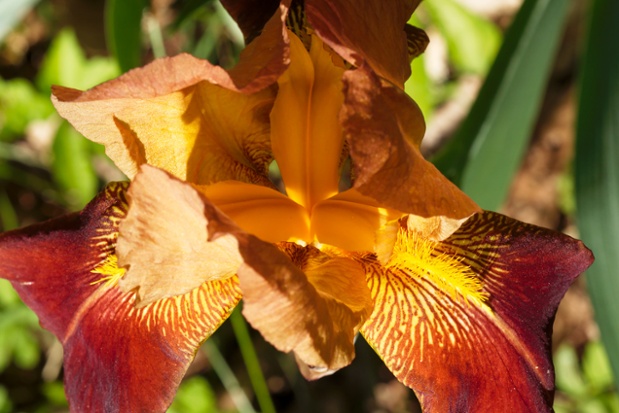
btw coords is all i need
(460, 355)
(117, 358)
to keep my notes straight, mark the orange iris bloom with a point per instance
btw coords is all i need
(361, 235)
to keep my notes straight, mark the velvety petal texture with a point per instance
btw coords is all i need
(467, 323)
(367, 32)
(117, 357)
(384, 128)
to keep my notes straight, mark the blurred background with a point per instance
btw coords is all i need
(519, 97)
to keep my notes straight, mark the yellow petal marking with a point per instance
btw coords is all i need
(110, 271)
(448, 272)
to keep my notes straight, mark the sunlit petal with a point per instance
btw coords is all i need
(116, 357)
(305, 131)
(262, 211)
(467, 323)
(384, 127)
(362, 216)
(167, 240)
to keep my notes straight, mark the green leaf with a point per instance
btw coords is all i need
(123, 25)
(596, 367)
(65, 64)
(472, 42)
(195, 395)
(20, 104)
(567, 369)
(486, 150)
(72, 167)
(11, 13)
(597, 170)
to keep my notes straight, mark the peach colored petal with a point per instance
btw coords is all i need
(384, 127)
(366, 32)
(165, 242)
(302, 312)
(189, 132)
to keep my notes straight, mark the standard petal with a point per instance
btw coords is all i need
(188, 132)
(366, 32)
(170, 113)
(315, 313)
(384, 127)
(116, 357)
(305, 133)
(481, 343)
(165, 241)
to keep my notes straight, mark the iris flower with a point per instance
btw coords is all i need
(362, 235)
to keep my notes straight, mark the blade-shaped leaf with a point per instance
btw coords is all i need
(123, 26)
(597, 170)
(487, 148)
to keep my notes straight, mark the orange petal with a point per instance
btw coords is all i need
(166, 240)
(305, 131)
(261, 211)
(350, 221)
(480, 343)
(116, 358)
(315, 314)
(384, 128)
(366, 31)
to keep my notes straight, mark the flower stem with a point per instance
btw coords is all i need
(251, 362)
(227, 377)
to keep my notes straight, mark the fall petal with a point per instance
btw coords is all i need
(467, 322)
(116, 358)
(384, 127)
(165, 240)
(367, 31)
(262, 211)
(305, 133)
(141, 354)
(302, 312)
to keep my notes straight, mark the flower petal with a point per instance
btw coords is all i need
(165, 240)
(170, 113)
(264, 212)
(316, 314)
(360, 215)
(116, 358)
(187, 132)
(384, 128)
(305, 132)
(366, 31)
(462, 353)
